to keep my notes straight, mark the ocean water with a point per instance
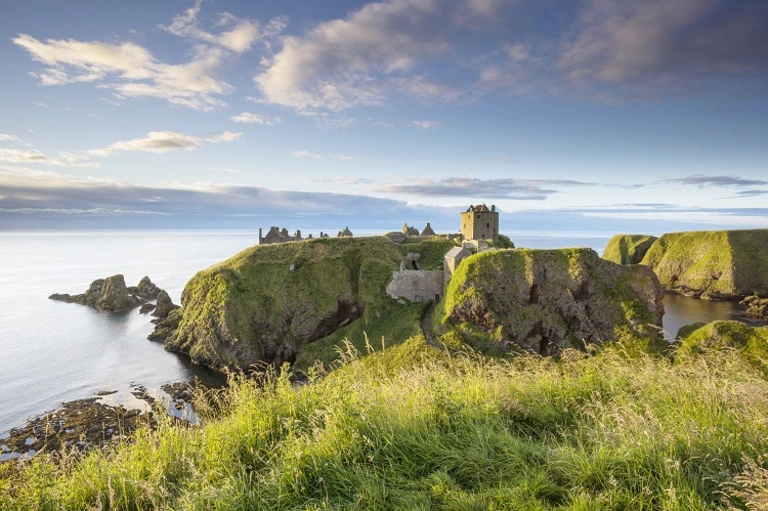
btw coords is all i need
(51, 352)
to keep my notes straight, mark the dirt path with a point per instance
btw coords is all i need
(426, 326)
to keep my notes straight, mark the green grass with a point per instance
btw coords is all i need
(393, 328)
(717, 263)
(628, 248)
(416, 428)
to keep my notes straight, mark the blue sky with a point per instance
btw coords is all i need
(615, 115)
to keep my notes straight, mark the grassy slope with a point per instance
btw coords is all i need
(415, 428)
(628, 248)
(253, 307)
(728, 263)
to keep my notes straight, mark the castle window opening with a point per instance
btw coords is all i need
(488, 225)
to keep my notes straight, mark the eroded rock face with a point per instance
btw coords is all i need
(547, 300)
(164, 305)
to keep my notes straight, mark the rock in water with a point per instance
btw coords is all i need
(628, 248)
(548, 300)
(112, 295)
(164, 305)
(145, 289)
(712, 264)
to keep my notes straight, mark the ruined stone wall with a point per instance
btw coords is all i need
(416, 285)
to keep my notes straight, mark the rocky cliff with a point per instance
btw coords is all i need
(712, 264)
(547, 300)
(628, 248)
(265, 303)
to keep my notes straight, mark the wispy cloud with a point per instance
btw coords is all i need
(517, 189)
(34, 156)
(702, 180)
(425, 125)
(165, 141)
(751, 193)
(131, 70)
(249, 118)
(9, 138)
(309, 155)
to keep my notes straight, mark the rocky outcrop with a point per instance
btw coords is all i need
(547, 300)
(264, 304)
(756, 306)
(112, 295)
(628, 248)
(109, 295)
(164, 305)
(146, 289)
(712, 264)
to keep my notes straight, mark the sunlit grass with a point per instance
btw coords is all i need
(413, 427)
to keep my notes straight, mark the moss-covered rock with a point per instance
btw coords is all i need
(712, 264)
(628, 248)
(265, 303)
(548, 300)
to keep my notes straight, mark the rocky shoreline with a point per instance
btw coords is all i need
(110, 294)
(81, 425)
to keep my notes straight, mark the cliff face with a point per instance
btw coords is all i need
(628, 248)
(265, 303)
(712, 264)
(547, 300)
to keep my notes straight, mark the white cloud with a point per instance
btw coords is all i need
(308, 155)
(249, 118)
(9, 138)
(304, 155)
(131, 71)
(238, 39)
(35, 156)
(360, 59)
(165, 141)
(425, 125)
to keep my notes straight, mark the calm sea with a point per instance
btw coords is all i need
(51, 352)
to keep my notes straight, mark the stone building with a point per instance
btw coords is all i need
(276, 235)
(451, 261)
(480, 223)
(428, 231)
(345, 233)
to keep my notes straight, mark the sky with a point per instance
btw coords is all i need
(594, 115)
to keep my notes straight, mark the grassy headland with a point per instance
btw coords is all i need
(628, 248)
(716, 264)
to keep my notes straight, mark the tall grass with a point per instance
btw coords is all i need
(417, 428)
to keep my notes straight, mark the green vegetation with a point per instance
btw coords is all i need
(718, 336)
(414, 427)
(265, 303)
(548, 300)
(628, 248)
(393, 328)
(717, 264)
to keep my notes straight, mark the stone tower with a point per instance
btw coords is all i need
(480, 223)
